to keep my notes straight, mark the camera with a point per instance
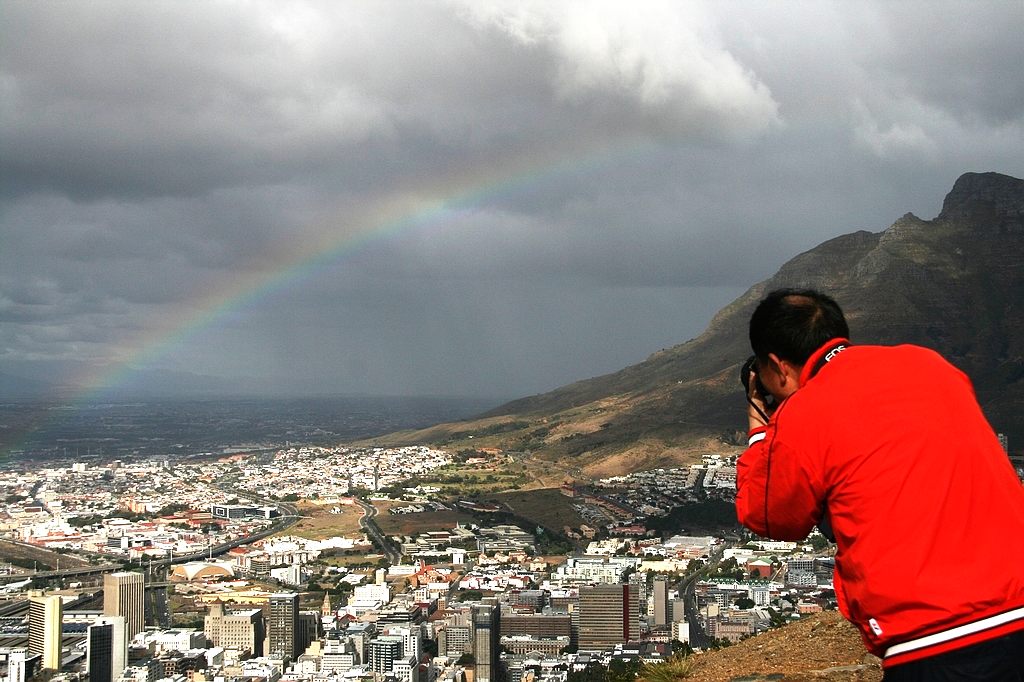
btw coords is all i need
(751, 366)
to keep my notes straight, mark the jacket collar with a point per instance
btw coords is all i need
(822, 357)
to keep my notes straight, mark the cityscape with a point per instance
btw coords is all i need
(411, 341)
(147, 568)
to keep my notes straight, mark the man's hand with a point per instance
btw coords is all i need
(757, 407)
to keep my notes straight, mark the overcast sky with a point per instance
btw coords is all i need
(457, 198)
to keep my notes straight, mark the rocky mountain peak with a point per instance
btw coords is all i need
(993, 197)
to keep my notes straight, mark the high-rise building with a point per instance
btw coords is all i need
(681, 631)
(678, 609)
(406, 669)
(307, 632)
(45, 616)
(536, 624)
(486, 621)
(283, 625)
(384, 651)
(107, 649)
(124, 594)
(339, 655)
(242, 631)
(662, 615)
(17, 665)
(609, 615)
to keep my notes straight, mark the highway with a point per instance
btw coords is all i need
(371, 528)
(288, 518)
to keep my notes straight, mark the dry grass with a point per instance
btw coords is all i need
(675, 668)
(821, 647)
(412, 524)
(22, 556)
(319, 523)
(653, 453)
(547, 506)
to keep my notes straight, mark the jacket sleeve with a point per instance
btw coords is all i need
(779, 489)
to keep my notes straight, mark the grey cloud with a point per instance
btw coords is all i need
(454, 195)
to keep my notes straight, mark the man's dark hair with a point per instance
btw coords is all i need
(793, 323)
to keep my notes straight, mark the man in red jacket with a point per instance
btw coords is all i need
(887, 449)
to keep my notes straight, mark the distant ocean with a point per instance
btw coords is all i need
(106, 431)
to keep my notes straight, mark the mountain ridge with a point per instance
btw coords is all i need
(953, 283)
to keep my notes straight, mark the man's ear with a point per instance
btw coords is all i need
(789, 374)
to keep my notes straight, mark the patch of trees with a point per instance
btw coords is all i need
(618, 670)
(173, 509)
(729, 568)
(710, 513)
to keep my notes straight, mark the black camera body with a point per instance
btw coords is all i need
(751, 366)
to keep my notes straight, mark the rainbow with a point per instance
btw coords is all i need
(427, 206)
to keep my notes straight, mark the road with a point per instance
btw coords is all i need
(288, 518)
(371, 528)
(699, 639)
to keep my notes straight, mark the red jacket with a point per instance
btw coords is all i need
(927, 511)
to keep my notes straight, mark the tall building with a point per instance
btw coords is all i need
(307, 631)
(45, 616)
(17, 665)
(678, 610)
(536, 624)
(486, 623)
(406, 669)
(107, 649)
(339, 655)
(124, 594)
(609, 615)
(662, 615)
(384, 651)
(454, 639)
(242, 631)
(283, 625)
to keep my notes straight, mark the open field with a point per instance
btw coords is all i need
(23, 556)
(546, 506)
(319, 523)
(486, 473)
(352, 560)
(412, 524)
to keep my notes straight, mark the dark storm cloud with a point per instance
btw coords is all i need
(516, 194)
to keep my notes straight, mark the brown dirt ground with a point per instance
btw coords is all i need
(413, 524)
(820, 647)
(321, 523)
(46, 559)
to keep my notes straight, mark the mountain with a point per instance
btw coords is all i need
(954, 283)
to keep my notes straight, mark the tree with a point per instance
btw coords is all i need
(680, 648)
(623, 670)
(594, 672)
(470, 595)
(819, 542)
(745, 603)
(173, 509)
